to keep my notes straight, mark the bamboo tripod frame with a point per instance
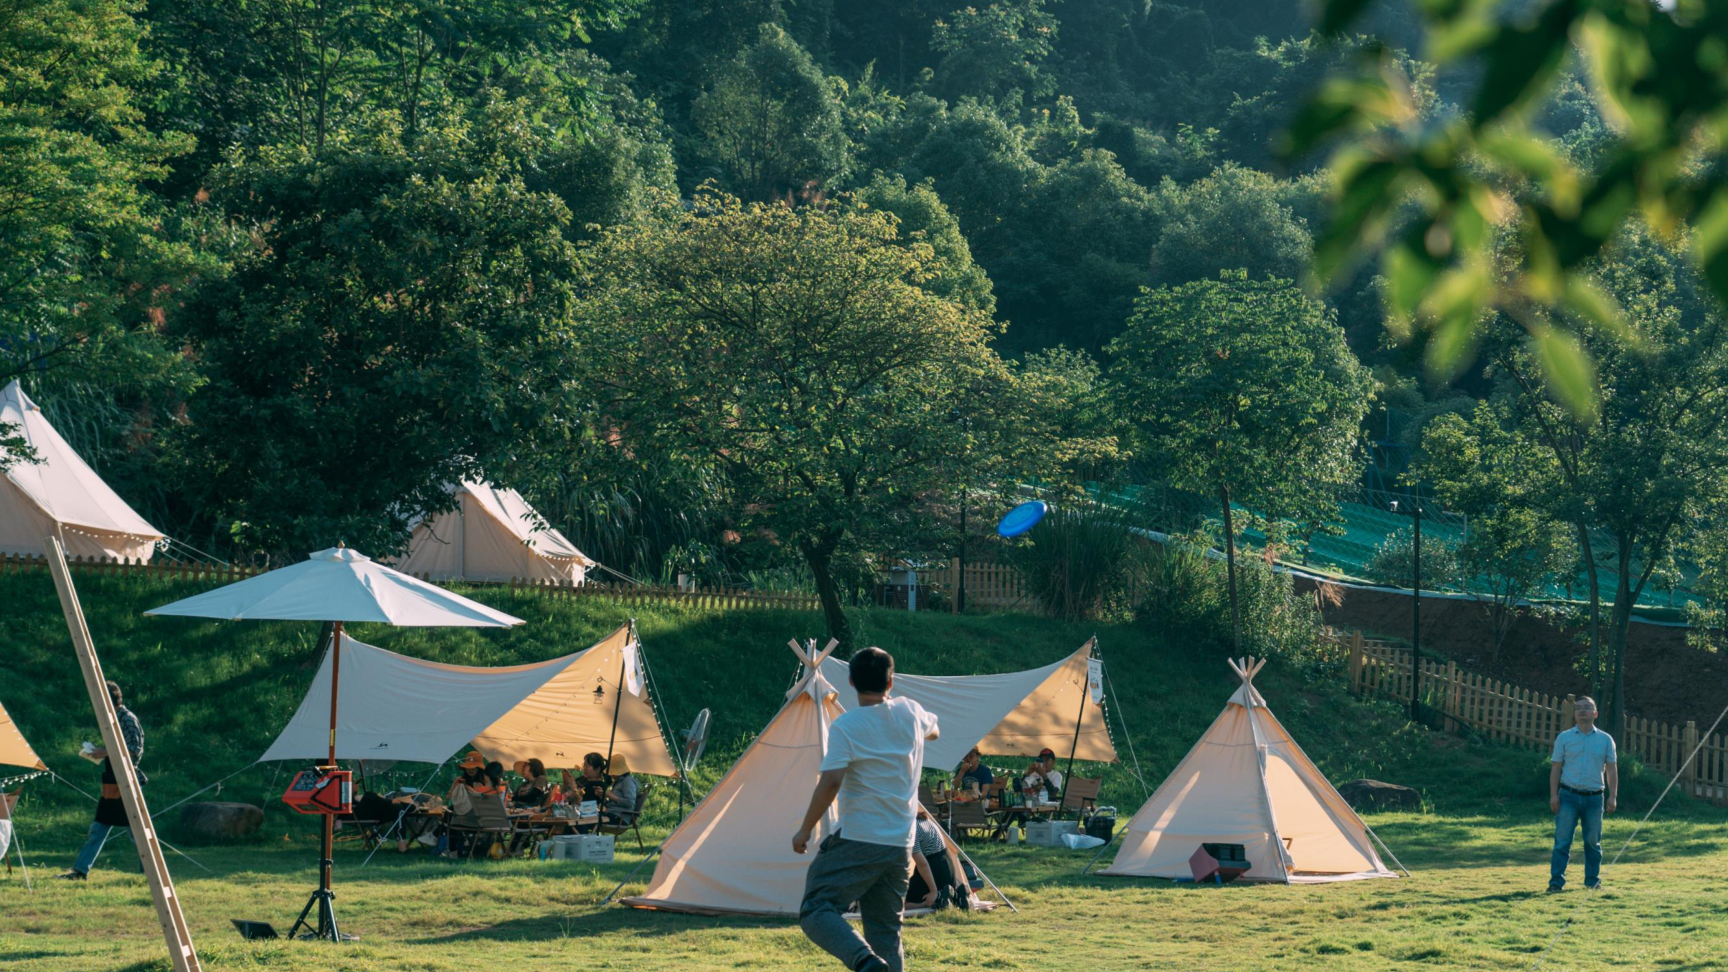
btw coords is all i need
(181, 953)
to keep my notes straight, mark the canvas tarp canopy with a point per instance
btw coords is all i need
(1247, 782)
(393, 707)
(492, 535)
(733, 854)
(60, 496)
(1012, 714)
(14, 748)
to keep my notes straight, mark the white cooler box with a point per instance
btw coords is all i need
(1048, 833)
(588, 848)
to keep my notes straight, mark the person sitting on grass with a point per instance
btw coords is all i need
(972, 778)
(931, 870)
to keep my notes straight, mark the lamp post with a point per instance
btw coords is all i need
(1415, 609)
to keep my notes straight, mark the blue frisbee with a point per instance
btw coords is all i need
(1021, 519)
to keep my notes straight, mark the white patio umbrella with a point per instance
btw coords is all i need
(337, 586)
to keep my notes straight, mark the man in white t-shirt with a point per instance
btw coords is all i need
(874, 756)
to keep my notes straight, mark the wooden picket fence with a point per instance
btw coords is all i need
(989, 587)
(627, 595)
(719, 598)
(1518, 716)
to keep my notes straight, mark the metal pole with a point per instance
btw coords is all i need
(960, 581)
(328, 846)
(1074, 746)
(618, 696)
(1416, 616)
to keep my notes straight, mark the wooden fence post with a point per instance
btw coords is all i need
(1449, 701)
(1689, 742)
(1356, 662)
(1566, 719)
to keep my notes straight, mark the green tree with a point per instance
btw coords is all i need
(1658, 76)
(86, 268)
(401, 323)
(772, 121)
(1234, 219)
(996, 51)
(1394, 562)
(921, 217)
(1239, 386)
(1638, 469)
(798, 352)
(1514, 545)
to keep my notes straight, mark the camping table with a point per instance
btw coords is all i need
(1003, 814)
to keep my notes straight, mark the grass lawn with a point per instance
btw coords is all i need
(1475, 903)
(212, 695)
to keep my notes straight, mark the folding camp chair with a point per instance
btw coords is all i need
(1082, 796)
(967, 818)
(632, 821)
(489, 819)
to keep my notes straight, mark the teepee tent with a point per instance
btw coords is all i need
(59, 496)
(1247, 782)
(1012, 714)
(394, 707)
(492, 535)
(733, 854)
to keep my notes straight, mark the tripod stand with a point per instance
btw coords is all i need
(322, 898)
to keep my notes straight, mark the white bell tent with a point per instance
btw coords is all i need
(733, 854)
(60, 496)
(492, 535)
(393, 707)
(1012, 714)
(1247, 782)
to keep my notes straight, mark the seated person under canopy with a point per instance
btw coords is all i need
(972, 778)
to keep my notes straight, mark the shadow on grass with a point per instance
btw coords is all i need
(605, 919)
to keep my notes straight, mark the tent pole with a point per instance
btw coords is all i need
(1101, 850)
(17, 845)
(618, 695)
(981, 873)
(639, 866)
(1074, 747)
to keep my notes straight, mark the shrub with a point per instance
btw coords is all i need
(1394, 562)
(1185, 595)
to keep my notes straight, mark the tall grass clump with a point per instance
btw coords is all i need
(1184, 594)
(1083, 563)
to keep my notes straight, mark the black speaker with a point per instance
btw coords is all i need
(254, 929)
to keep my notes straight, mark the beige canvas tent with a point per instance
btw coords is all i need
(393, 707)
(733, 854)
(14, 749)
(1012, 714)
(60, 496)
(1247, 782)
(492, 535)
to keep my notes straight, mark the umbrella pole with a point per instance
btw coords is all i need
(324, 899)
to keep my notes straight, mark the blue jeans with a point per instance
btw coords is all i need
(99, 833)
(1575, 807)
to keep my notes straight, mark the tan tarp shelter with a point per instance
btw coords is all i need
(1247, 782)
(14, 749)
(60, 496)
(393, 707)
(733, 854)
(1012, 714)
(492, 535)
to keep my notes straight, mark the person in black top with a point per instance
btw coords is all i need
(535, 788)
(110, 810)
(972, 777)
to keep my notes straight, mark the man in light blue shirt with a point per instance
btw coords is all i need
(1583, 784)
